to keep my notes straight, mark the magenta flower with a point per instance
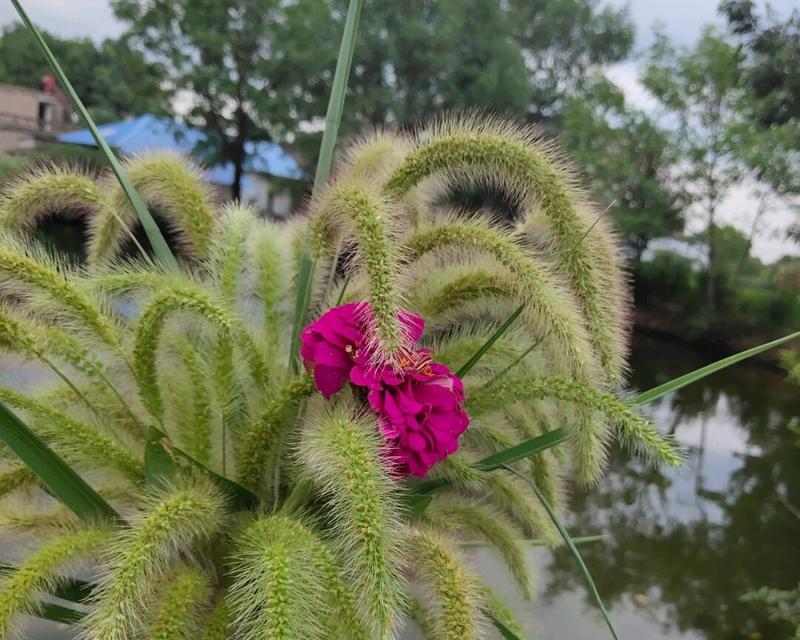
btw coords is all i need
(330, 346)
(420, 412)
(419, 403)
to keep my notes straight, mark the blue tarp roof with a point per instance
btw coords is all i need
(152, 133)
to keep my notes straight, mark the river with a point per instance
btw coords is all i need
(681, 545)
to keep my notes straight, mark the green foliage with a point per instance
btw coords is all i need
(122, 81)
(628, 158)
(320, 539)
(782, 605)
(769, 135)
(517, 58)
(701, 88)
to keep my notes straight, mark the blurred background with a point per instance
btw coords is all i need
(684, 119)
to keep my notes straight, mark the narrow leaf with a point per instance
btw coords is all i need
(416, 503)
(333, 118)
(572, 548)
(336, 102)
(488, 344)
(698, 374)
(304, 278)
(162, 460)
(523, 450)
(59, 478)
(154, 235)
(502, 627)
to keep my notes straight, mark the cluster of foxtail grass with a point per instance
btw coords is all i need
(248, 506)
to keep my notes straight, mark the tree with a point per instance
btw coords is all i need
(769, 135)
(112, 80)
(563, 41)
(700, 92)
(251, 73)
(252, 69)
(519, 58)
(628, 159)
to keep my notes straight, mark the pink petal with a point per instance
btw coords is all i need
(329, 380)
(328, 355)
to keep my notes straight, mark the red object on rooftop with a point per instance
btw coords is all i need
(49, 85)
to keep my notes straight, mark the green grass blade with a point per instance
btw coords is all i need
(465, 368)
(333, 119)
(338, 90)
(502, 627)
(73, 590)
(162, 460)
(302, 300)
(59, 478)
(547, 440)
(698, 374)
(475, 544)
(343, 291)
(154, 235)
(572, 548)
(522, 450)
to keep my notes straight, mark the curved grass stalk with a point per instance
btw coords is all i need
(549, 309)
(167, 182)
(15, 478)
(40, 274)
(344, 615)
(77, 439)
(266, 258)
(277, 589)
(529, 423)
(633, 430)
(340, 452)
(457, 286)
(449, 513)
(516, 160)
(512, 498)
(151, 325)
(41, 571)
(228, 249)
(366, 214)
(48, 190)
(196, 435)
(172, 520)
(258, 444)
(183, 597)
(458, 600)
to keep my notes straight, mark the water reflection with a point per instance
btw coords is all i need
(684, 545)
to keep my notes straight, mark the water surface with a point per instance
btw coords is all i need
(683, 545)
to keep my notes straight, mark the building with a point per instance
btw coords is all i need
(31, 116)
(272, 182)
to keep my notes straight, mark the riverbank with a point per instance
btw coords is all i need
(717, 341)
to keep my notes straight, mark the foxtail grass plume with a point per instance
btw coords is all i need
(257, 499)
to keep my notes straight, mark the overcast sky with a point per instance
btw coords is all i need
(681, 19)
